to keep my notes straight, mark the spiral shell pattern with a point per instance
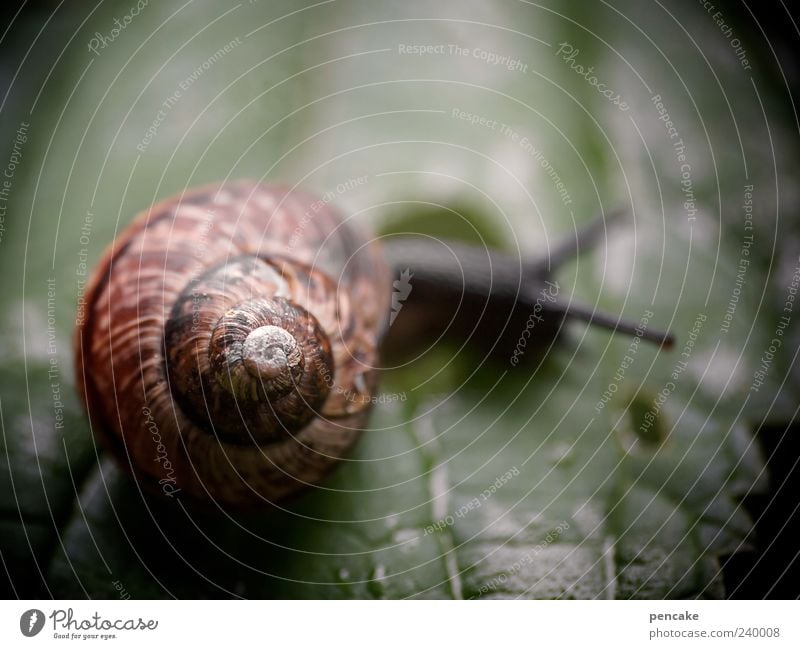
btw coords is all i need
(229, 344)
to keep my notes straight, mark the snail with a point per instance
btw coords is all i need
(232, 333)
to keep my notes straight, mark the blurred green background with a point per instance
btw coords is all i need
(316, 94)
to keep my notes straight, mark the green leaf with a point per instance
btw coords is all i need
(469, 484)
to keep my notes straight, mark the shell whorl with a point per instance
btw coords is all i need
(229, 344)
(243, 360)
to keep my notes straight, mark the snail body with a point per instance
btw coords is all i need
(226, 357)
(231, 335)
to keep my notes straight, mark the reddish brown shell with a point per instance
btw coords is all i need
(323, 265)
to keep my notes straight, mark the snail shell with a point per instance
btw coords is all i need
(230, 340)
